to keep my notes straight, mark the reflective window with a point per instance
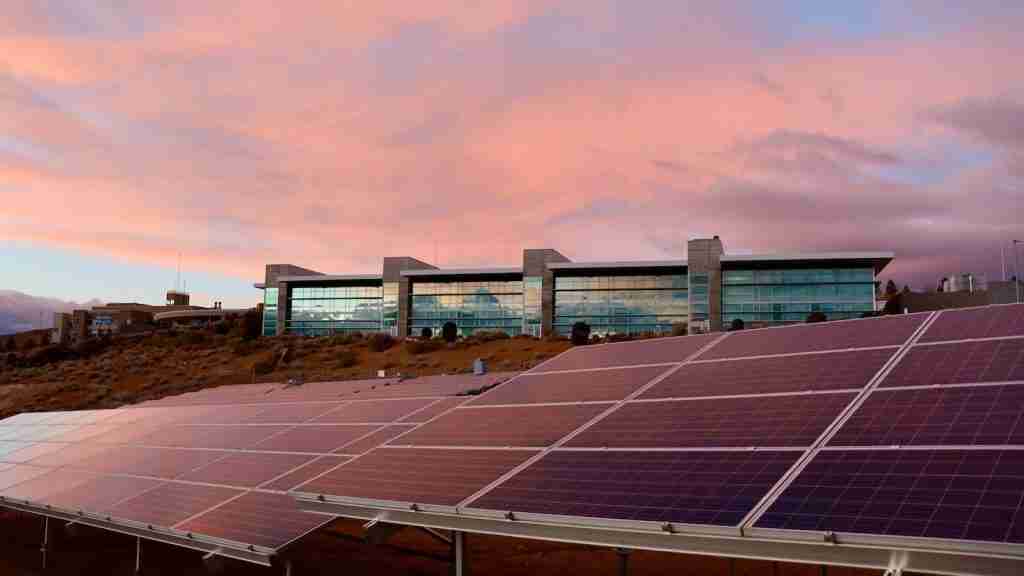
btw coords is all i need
(644, 304)
(323, 310)
(270, 311)
(786, 296)
(472, 305)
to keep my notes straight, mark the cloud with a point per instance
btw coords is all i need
(332, 133)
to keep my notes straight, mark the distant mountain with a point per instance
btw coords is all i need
(20, 312)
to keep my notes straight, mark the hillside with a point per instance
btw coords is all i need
(129, 371)
(20, 312)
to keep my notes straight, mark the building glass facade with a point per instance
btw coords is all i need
(533, 315)
(270, 311)
(621, 304)
(322, 310)
(786, 296)
(389, 309)
(472, 305)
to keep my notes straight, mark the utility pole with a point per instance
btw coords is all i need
(1016, 267)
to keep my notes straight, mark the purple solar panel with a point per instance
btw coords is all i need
(292, 413)
(956, 494)
(18, 473)
(434, 410)
(982, 415)
(423, 476)
(171, 503)
(315, 439)
(701, 487)
(166, 463)
(305, 473)
(374, 411)
(591, 386)
(658, 351)
(52, 483)
(100, 493)
(987, 322)
(248, 470)
(269, 520)
(803, 373)
(959, 363)
(868, 332)
(776, 421)
(224, 437)
(507, 426)
(378, 438)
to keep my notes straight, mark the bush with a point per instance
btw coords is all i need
(381, 341)
(193, 338)
(450, 332)
(490, 335)
(87, 348)
(426, 333)
(422, 346)
(249, 326)
(28, 344)
(737, 324)
(619, 337)
(580, 334)
(817, 317)
(347, 359)
(679, 329)
(266, 364)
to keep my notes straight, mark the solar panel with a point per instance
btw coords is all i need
(154, 462)
(269, 520)
(304, 473)
(371, 441)
(960, 363)
(974, 415)
(734, 422)
(434, 410)
(247, 470)
(532, 426)
(99, 493)
(316, 439)
(19, 473)
(225, 437)
(801, 373)
(374, 411)
(700, 487)
(587, 386)
(845, 334)
(987, 322)
(659, 351)
(42, 487)
(292, 413)
(950, 494)
(171, 503)
(440, 477)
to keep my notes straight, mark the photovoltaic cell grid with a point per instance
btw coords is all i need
(845, 334)
(802, 373)
(945, 395)
(218, 469)
(588, 386)
(950, 494)
(711, 488)
(774, 421)
(660, 351)
(986, 322)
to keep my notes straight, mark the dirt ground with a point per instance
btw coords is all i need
(340, 549)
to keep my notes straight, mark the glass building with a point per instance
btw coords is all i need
(549, 293)
(472, 304)
(621, 303)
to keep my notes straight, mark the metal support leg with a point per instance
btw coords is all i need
(138, 555)
(732, 567)
(46, 538)
(460, 557)
(287, 567)
(824, 570)
(623, 560)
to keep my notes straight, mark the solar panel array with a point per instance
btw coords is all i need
(215, 463)
(693, 430)
(936, 450)
(876, 428)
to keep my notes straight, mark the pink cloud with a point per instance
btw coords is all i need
(244, 135)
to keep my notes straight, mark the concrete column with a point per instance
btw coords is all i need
(704, 257)
(535, 261)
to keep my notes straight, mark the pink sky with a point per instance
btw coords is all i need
(331, 134)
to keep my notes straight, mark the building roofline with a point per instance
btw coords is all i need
(464, 271)
(781, 256)
(622, 265)
(204, 313)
